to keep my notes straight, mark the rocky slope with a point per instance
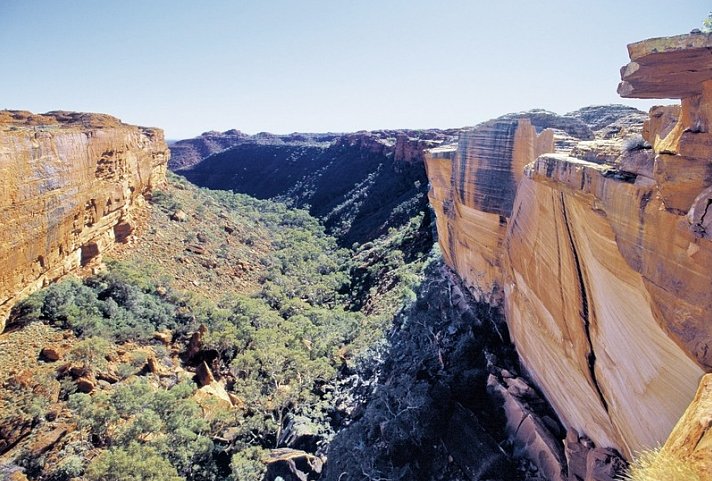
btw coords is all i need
(359, 184)
(70, 185)
(446, 399)
(599, 252)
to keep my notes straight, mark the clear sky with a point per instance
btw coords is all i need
(322, 65)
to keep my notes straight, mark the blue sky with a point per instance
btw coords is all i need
(328, 65)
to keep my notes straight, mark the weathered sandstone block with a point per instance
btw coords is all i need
(691, 439)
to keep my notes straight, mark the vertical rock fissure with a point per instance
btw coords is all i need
(707, 208)
(591, 356)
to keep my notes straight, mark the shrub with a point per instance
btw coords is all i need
(70, 467)
(636, 142)
(136, 462)
(167, 420)
(246, 465)
(120, 304)
(91, 353)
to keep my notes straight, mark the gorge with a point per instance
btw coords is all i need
(303, 317)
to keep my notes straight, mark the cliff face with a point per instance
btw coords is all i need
(473, 185)
(602, 264)
(69, 184)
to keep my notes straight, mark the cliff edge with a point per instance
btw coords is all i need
(600, 253)
(69, 185)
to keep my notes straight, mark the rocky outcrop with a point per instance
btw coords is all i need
(70, 184)
(611, 121)
(188, 152)
(602, 260)
(691, 439)
(667, 67)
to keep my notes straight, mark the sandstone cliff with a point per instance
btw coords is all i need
(599, 253)
(69, 185)
(691, 439)
(472, 189)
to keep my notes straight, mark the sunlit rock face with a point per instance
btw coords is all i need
(473, 185)
(580, 309)
(676, 262)
(69, 183)
(601, 253)
(691, 439)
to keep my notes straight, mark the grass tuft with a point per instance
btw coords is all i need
(660, 465)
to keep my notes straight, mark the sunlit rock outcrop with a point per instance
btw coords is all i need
(69, 183)
(691, 439)
(600, 253)
(581, 313)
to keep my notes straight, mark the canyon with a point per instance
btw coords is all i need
(359, 184)
(569, 331)
(70, 186)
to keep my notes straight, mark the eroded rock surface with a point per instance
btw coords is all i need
(473, 185)
(691, 439)
(600, 254)
(69, 183)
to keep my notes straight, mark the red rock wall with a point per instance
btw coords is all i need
(69, 184)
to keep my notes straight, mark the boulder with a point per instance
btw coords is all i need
(179, 216)
(204, 375)
(85, 385)
(51, 353)
(526, 428)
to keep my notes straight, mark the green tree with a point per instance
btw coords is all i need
(247, 464)
(136, 462)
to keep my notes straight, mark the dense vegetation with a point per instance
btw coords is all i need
(319, 311)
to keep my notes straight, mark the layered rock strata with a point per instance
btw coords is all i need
(472, 189)
(69, 184)
(602, 262)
